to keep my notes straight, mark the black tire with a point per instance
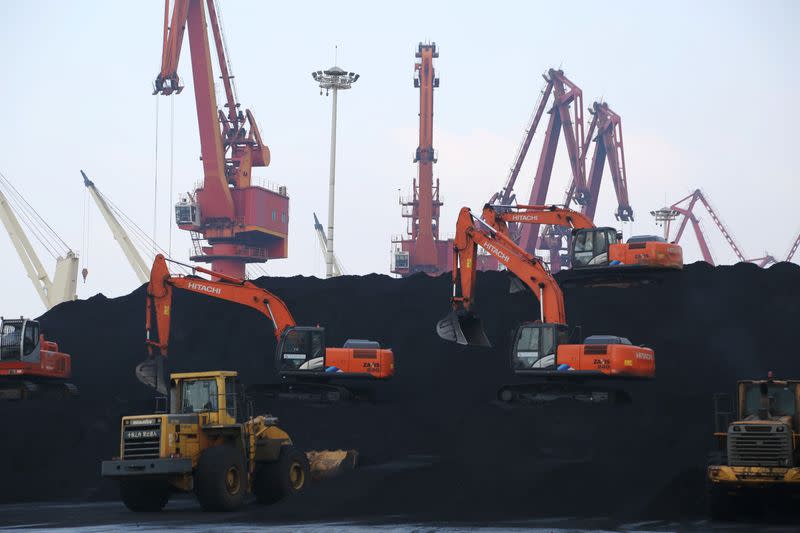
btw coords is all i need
(144, 495)
(720, 504)
(289, 475)
(220, 481)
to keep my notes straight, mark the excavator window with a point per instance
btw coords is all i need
(536, 346)
(782, 399)
(303, 349)
(10, 341)
(590, 246)
(31, 338)
(199, 395)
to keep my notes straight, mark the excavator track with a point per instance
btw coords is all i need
(538, 394)
(27, 389)
(319, 393)
(621, 277)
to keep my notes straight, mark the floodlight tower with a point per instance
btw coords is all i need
(333, 79)
(664, 217)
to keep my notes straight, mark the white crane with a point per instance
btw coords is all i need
(108, 210)
(63, 286)
(323, 242)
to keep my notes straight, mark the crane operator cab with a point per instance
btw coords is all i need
(187, 213)
(590, 247)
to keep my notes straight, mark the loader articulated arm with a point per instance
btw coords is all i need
(159, 309)
(462, 325)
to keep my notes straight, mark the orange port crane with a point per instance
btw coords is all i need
(423, 250)
(242, 223)
(540, 348)
(301, 358)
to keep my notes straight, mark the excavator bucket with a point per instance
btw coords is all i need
(151, 372)
(463, 327)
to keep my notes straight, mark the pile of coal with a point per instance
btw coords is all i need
(435, 444)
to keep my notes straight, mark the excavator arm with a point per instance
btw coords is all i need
(159, 310)
(462, 325)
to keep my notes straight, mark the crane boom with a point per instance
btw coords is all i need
(323, 243)
(120, 235)
(63, 286)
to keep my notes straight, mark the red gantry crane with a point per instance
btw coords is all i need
(240, 222)
(566, 116)
(685, 208)
(423, 251)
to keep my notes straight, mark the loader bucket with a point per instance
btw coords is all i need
(463, 327)
(151, 372)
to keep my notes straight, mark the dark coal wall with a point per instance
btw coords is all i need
(435, 445)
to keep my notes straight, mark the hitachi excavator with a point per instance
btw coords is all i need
(30, 366)
(597, 255)
(541, 349)
(309, 370)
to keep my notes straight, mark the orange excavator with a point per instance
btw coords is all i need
(541, 349)
(597, 255)
(308, 369)
(31, 366)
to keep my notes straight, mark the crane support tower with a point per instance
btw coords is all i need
(423, 251)
(63, 286)
(240, 222)
(685, 210)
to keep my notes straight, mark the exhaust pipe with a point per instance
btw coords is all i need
(463, 327)
(151, 373)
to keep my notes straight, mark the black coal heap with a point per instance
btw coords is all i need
(435, 446)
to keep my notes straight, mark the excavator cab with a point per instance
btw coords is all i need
(590, 247)
(302, 348)
(536, 346)
(19, 340)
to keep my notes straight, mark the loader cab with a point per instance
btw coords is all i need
(19, 340)
(302, 348)
(589, 247)
(211, 394)
(536, 345)
(769, 399)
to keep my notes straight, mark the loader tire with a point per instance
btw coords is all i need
(144, 495)
(220, 481)
(290, 474)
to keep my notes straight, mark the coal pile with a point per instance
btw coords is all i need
(435, 445)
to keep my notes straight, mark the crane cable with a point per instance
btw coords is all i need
(30, 218)
(171, 166)
(155, 181)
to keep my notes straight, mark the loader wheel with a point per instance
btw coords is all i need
(290, 474)
(220, 481)
(144, 495)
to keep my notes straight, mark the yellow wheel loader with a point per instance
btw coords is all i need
(204, 445)
(758, 453)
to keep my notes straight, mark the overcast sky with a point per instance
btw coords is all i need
(706, 91)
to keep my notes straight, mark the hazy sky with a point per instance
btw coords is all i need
(706, 91)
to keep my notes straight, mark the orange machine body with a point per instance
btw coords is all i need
(378, 363)
(621, 360)
(649, 254)
(51, 364)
